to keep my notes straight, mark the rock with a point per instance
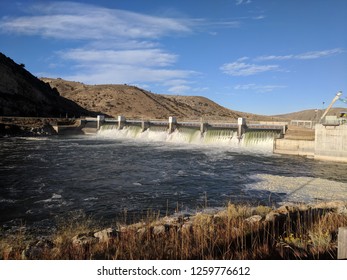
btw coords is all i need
(83, 239)
(22, 94)
(283, 210)
(36, 251)
(160, 229)
(292, 208)
(134, 227)
(170, 220)
(106, 234)
(329, 205)
(272, 216)
(254, 219)
(142, 232)
(342, 210)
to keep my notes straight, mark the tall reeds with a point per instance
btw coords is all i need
(237, 232)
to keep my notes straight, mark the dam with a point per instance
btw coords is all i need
(328, 144)
(239, 134)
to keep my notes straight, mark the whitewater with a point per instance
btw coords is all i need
(120, 175)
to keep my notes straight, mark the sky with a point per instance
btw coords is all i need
(258, 56)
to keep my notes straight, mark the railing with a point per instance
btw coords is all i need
(303, 123)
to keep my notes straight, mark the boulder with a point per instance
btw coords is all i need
(142, 232)
(159, 229)
(84, 239)
(329, 205)
(272, 216)
(254, 219)
(106, 235)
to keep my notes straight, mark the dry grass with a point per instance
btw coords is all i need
(229, 234)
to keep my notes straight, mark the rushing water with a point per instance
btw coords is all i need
(45, 179)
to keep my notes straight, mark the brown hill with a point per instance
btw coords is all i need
(311, 115)
(22, 94)
(134, 102)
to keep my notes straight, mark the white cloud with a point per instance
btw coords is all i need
(240, 2)
(258, 88)
(259, 17)
(130, 74)
(239, 68)
(110, 45)
(242, 68)
(67, 20)
(302, 56)
(139, 57)
(124, 66)
(179, 89)
(181, 86)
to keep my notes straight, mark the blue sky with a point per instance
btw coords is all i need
(258, 56)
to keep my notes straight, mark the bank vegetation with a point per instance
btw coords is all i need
(292, 231)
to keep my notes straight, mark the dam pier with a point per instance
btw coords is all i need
(329, 141)
(241, 127)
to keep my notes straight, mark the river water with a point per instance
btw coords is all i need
(112, 176)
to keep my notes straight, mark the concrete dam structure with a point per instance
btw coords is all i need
(330, 143)
(241, 134)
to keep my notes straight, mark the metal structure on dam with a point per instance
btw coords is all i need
(173, 124)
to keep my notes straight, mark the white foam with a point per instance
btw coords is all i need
(90, 198)
(56, 196)
(35, 138)
(300, 189)
(7, 200)
(259, 142)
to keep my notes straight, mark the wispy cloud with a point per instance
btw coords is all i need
(179, 89)
(240, 2)
(139, 57)
(258, 88)
(68, 20)
(302, 56)
(118, 74)
(241, 68)
(111, 45)
(181, 86)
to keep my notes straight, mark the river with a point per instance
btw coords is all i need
(111, 177)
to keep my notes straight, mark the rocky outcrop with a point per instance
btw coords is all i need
(22, 94)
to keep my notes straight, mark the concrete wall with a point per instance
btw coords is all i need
(331, 142)
(294, 147)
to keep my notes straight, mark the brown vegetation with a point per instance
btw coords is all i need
(134, 102)
(238, 232)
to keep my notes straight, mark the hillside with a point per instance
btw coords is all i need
(22, 94)
(134, 102)
(311, 115)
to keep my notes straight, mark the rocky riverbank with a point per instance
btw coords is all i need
(28, 127)
(25, 127)
(292, 231)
